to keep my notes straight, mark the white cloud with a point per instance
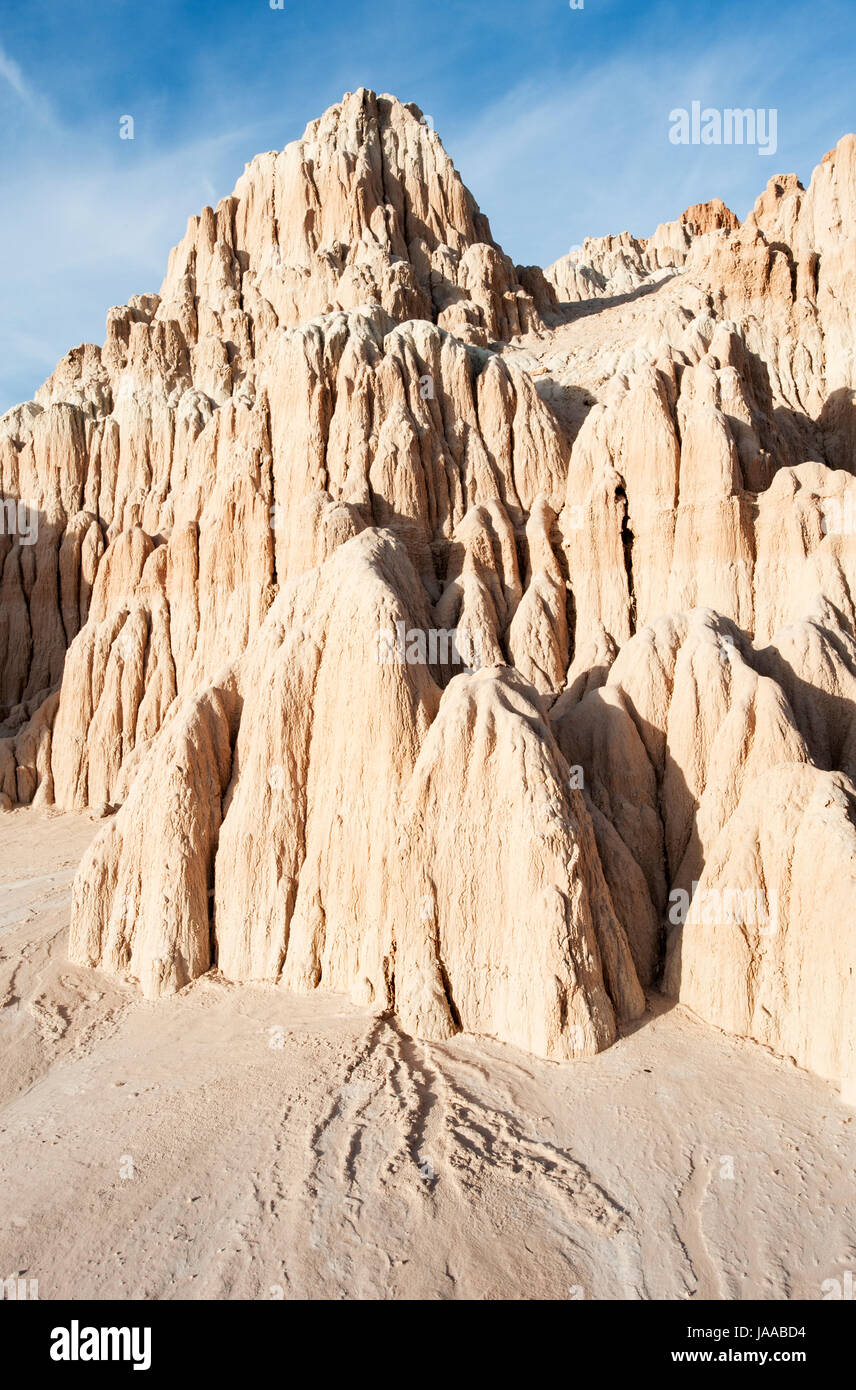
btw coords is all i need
(93, 225)
(588, 153)
(11, 72)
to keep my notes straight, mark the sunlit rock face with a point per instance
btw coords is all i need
(475, 640)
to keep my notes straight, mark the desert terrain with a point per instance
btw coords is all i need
(246, 1142)
(427, 753)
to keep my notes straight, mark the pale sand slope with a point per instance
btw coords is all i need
(306, 1168)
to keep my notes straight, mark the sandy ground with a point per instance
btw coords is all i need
(243, 1142)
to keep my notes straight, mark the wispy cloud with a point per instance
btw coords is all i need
(88, 233)
(588, 153)
(36, 104)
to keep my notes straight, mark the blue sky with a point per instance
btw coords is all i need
(557, 118)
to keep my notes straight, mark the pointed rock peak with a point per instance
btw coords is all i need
(366, 207)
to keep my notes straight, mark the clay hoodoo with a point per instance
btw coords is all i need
(476, 640)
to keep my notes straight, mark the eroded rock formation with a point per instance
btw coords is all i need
(476, 640)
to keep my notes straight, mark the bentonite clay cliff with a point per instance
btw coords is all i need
(477, 640)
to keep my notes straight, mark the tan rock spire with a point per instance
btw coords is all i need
(477, 642)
